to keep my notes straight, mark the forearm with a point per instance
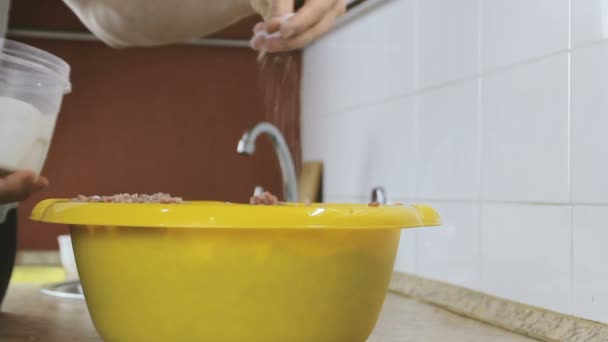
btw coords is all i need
(156, 22)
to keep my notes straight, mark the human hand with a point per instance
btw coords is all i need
(284, 30)
(19, 185)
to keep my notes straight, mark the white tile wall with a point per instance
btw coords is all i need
(448, 40)
(370, 138)
(591, 263)
(590, 124)
(452, 252)
(589, 21)
(526, 254)
(516, 30)
(316, 136)
(448, 166)
(393, 148)
(407, 255)
(525, 132)
(350, 152)
(379, 48)
(512, 154)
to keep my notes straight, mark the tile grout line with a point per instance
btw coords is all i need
(417, 124)
(589, 44)
(570, 156)
(416, 43)
(572, 283)
(480, 141)
(416, 103)
(569, 99)
(450, 83)
(399, 96)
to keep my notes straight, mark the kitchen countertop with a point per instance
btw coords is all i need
(30, 316)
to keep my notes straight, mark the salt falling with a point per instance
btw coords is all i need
(279, 82)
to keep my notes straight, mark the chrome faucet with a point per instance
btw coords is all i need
(247, 147)
(379, 195)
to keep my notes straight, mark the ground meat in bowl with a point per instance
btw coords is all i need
(132, 198)
(264, 199)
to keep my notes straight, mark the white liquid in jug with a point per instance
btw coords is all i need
(25, 134)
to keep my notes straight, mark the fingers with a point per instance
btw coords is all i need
(265, 31)
(310, 14)
(20, 185)
(39, 183)
(307, 36)
(293, 32)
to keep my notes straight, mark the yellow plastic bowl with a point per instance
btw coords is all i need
(207, 271)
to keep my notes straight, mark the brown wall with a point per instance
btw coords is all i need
(160, 119)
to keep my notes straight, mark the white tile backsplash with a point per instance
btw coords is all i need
(448, 40)
(525, 132)
(452, 251)
(407, 254)
(526, 254)
(516, 30)
(589, 21)
(367, 60)
(478, 108)
(346, 160)
(316, 136)
(345, 199)
(591, 263)
(448, 166)
(393, 133)
(377, 147)
(590, 124)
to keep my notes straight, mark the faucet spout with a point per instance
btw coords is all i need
(246, 146)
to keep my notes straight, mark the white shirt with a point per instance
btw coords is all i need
(156, 22)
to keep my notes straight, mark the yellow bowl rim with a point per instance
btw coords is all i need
(212, 214)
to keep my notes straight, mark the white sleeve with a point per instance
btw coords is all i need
(122, 23)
